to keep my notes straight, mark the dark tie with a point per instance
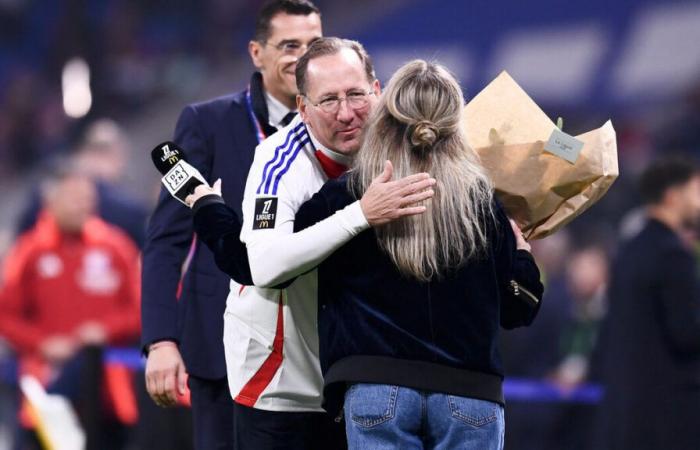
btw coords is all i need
(288, 118)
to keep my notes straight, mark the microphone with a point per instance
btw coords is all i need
(179, 177)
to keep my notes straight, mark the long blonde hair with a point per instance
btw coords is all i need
(418, 126)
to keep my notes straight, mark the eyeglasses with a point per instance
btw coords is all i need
(331, 104)
(290, 47)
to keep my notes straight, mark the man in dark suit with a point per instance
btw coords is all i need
(184, 294)
(651, 337)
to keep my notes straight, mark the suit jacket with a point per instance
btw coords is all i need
(219, 137)
(650, 345)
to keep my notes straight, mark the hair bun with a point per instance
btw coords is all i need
(424, 134)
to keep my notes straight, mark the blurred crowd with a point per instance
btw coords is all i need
(138, 52)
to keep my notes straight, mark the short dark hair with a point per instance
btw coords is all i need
(57, 171)
(664, 174)
(273, 7)
(330, 46)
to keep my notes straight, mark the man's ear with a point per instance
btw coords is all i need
(301, 107)
(377, 88)
(255, 50)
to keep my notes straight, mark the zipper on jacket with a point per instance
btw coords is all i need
(517, 289)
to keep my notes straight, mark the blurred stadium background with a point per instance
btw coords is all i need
(66, 63)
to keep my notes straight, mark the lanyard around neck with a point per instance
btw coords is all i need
(260, 134)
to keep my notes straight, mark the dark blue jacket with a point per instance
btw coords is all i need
(219, 138)
(378, 326)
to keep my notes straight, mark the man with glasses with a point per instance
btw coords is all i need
(183, 294)
(270, 333)
(270, 336)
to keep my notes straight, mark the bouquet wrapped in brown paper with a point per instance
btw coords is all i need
(543, 177)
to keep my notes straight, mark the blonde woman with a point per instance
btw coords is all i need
(409, 312)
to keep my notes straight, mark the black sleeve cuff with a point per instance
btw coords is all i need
(208, 199)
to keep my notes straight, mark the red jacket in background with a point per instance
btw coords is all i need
(54, 282)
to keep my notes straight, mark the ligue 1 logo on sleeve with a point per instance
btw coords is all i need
(265, 213)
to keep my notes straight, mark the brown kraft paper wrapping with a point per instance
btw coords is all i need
(541, 191)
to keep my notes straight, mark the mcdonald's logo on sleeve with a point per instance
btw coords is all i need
(265, 213)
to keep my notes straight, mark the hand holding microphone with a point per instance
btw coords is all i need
(179, 177)
(202, 191)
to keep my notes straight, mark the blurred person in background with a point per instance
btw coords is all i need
(102, 155)
(586, 280)
(650, 340)
(519, 357)
(70, 283)
(183, 307)
(586, 277)
(533, 352)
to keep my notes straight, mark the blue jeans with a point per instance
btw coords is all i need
(379, 416)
